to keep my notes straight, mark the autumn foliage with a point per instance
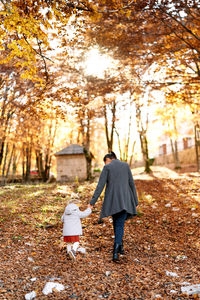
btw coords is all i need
(154, 46)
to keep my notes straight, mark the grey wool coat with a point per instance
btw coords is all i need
(120, 192)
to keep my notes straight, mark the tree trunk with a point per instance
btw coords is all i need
(197, 145)
(143, 138)
(128, 138)
(119, 144)
(109, 138)
(47, 167)
(14, 162)
(85, 132)
(52, 135)
(10, 160)
(28, 161)
(131, 157)
(177, 161)
(2, 121)
(89, 157)
(5, 160)
(23, 161)
(109, 145)
(88, 154)
(40, 165)
(126, 149)
(145, 151)
(124, 156)
(2, 143)
(43, 166)
(26, 164)
(176, 156)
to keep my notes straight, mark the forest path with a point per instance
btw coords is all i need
(163, 238)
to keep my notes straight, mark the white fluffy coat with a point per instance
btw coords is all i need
(71, 219)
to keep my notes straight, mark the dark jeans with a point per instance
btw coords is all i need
(118, 225)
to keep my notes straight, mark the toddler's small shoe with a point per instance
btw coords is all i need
(82, 250)
(72, 255)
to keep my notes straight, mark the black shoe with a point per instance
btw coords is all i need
(115, 252)
(100, 221)
(121, 249)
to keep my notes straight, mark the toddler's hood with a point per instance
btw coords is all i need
(70, 208)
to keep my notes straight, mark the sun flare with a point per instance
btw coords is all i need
(96, 63)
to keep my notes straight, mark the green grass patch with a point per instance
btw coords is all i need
(33, 205)
(51, 208)
(139, 213)
(18, 237)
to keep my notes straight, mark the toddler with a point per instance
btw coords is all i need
(72, 228)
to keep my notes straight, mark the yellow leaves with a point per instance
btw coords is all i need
(13, 45)
(3, 13)
(26, 75)
(95, 17)
(128, 14)
(1, 47)
(31, 74)
(57, 13)
(49, 15)
(19, 32)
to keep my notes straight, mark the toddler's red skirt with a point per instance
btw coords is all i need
(71, 238)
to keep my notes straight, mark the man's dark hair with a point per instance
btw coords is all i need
(110, 155)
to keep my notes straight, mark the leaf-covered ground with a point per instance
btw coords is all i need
(165, 236)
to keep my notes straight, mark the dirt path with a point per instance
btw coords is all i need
(164, 237)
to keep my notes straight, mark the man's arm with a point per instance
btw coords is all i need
(102, 181)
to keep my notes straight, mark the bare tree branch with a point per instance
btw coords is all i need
(72, 5)
(5, 5)
(43, 58)
(180, 23)
(40, 52)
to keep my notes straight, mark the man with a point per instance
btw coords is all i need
(120, 200)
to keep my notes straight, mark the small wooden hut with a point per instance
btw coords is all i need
(71, 164)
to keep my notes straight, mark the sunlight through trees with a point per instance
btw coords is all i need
(80, 72)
